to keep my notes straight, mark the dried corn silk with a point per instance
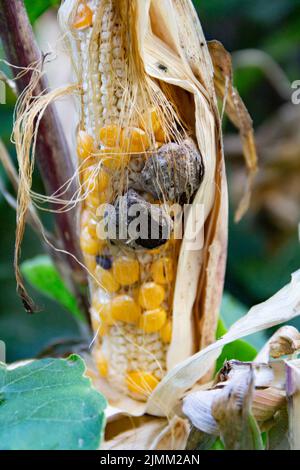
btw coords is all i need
(148, 136)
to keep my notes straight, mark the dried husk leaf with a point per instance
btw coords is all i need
(169, 34)
(189, 67)
(198, 408)
(278, 434)
(237, 113)
(232, 411)
(286, 343)
(139, 433)
(280, 308)
(267, 402)
(283, 342)
(199, 440)
(268, 398)
(293, 393)
(226, 411)
(152, 434)
(263, 373)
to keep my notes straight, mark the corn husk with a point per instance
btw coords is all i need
(190, 67)
(169, 33)
(280, 308)
(268, 404)
(238, 115)
(151, 434)
(293, 393)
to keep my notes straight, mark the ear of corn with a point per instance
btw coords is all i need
(143, 66)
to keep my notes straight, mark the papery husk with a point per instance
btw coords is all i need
(169, 33)
(200, 273)
(238, 114)
(285, 341)
(150, 434)
(268, 394)
(266, 402)
(293, 393)
(280, 308)
(266, 399)
(226, 411)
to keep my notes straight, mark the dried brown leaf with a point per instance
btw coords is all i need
(237, 113)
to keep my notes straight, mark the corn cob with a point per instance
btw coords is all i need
(132, 137)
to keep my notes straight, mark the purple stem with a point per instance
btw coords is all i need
(53, 155)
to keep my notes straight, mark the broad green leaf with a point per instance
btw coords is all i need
(258, 443)
(218, 445)
(50, 405)
(41, 273)
(37, 7)
(240, 350)
(231, 311)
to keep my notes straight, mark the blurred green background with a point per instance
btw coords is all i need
(263, 249)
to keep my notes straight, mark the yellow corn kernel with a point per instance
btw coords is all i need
(162, 270)
(159, 144)
(85, 144)
(95, 200)
(125, 309)
(107, 280)
(153, 320)
(99, 326)
(151, 120)
(92, 227)
(161, 136)
(126, 270)
(84, 16)
(95, 181)
(114, 158)
(88, 221)
(141, 382)
(101, 363)
(88, 244)
(103, 180)
(166, 332)
(90, 263)
(161, 249)
(135, 292)
(151, 295)
(111, 136)
(105, 315)
(102, 330)
(135, 140)
(85, 217)
(103, 309)
(92, 201)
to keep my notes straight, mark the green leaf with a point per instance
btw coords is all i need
(38, 7)
(256, 434)
(231, 311)
(240, 350)
(218, 445)
(41, 273)
(50, 405)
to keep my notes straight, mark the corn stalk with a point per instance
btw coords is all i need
(53, 156)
